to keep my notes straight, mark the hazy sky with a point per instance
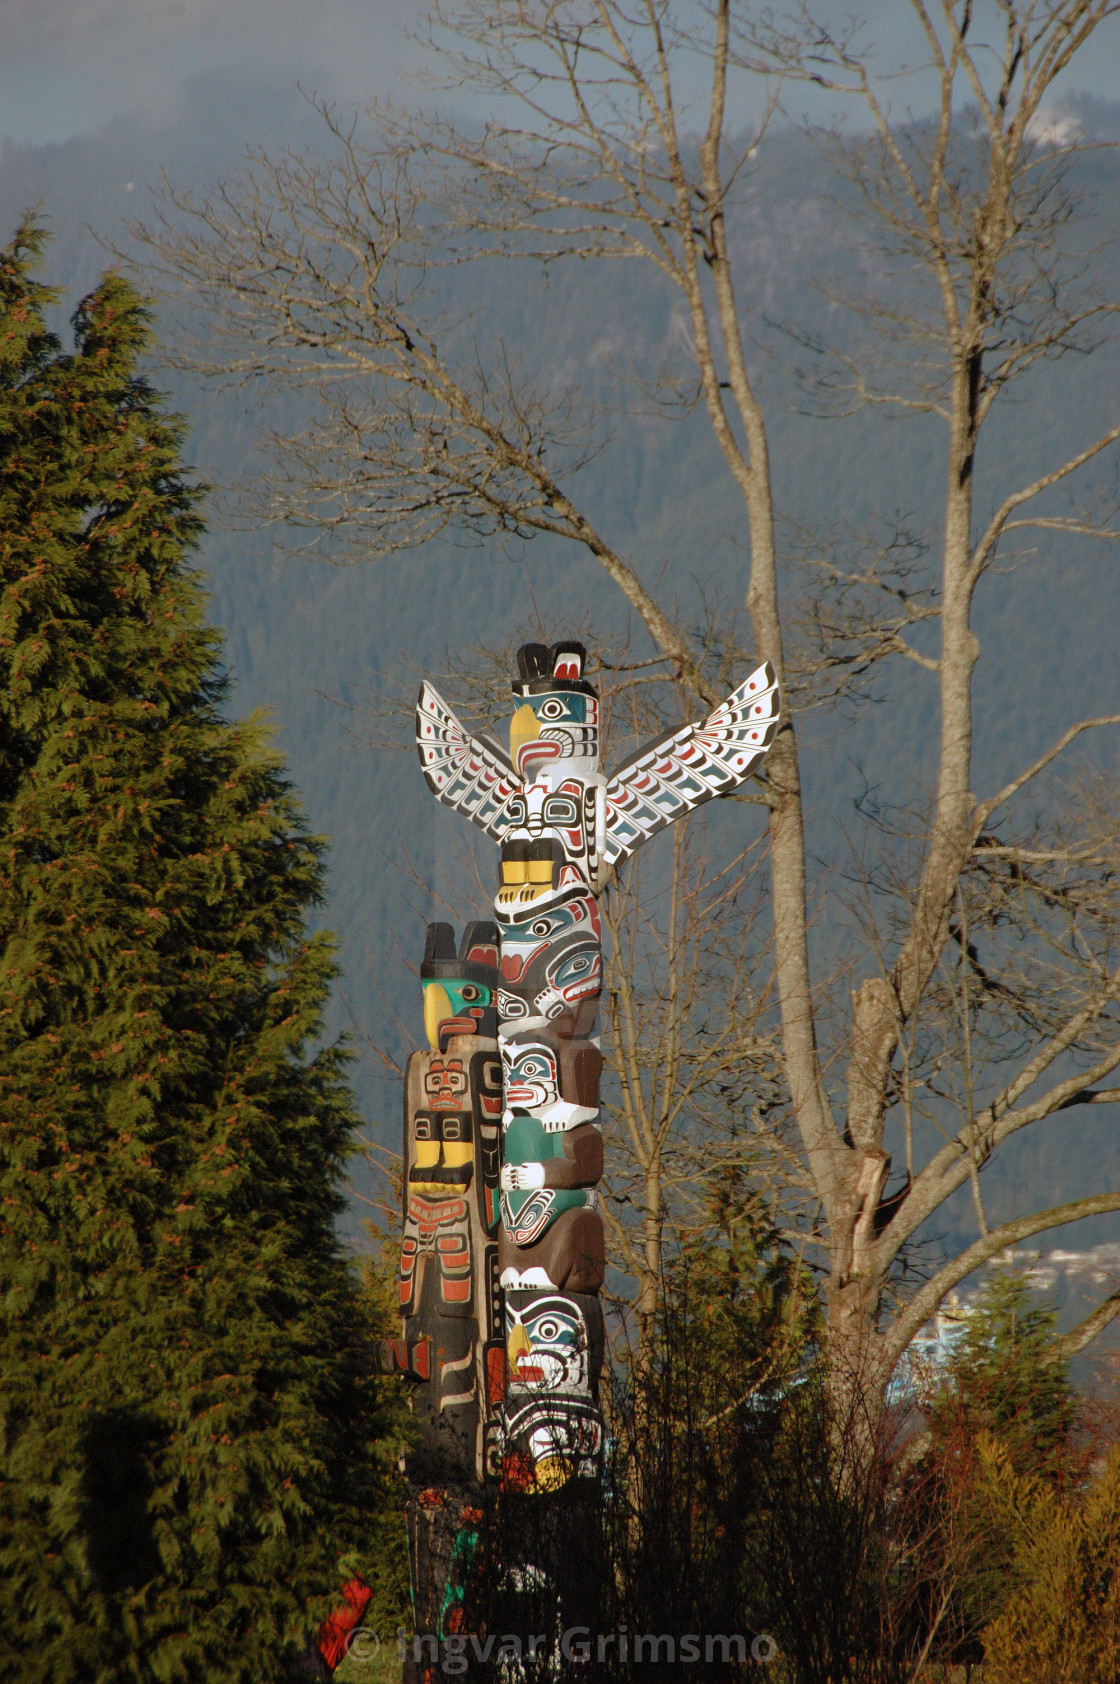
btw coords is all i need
(70, 65)
(67, 66)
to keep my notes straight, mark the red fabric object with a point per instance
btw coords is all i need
(335, 1630)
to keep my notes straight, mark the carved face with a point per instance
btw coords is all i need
(532, 1079)
(466, 999)
(532, 948)
(459, 983)
(552, 726)
(456, 1006)
(554, 746)
(573, 974)
(547, 1346)
(564, 809)
(445, 1083)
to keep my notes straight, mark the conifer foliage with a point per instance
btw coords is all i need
(185, 1437)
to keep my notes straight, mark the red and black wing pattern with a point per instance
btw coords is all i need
(688, 766)
(461, 771)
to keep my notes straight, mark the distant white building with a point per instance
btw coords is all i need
(1046, 1271)
(1100, 1266)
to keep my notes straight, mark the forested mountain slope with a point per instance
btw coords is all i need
(301, 632)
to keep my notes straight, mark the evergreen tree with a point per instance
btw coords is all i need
(1003, 1378)
(186, 1437)
(1003, 1402)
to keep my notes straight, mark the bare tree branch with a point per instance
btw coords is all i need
(925, 1302)
(1071, 1344)
(986, 808)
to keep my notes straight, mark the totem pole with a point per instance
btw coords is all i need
(503, 1256)
(452, 1345)
(563, 827)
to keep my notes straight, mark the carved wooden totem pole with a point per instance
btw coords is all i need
(452, 1345)
(503, 1252)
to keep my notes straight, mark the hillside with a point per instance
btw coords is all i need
(301, 632)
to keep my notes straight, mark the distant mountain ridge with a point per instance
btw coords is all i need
(300, 632)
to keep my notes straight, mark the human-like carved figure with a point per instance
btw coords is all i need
(449, 1298)
(452, 1347)
(563, 826)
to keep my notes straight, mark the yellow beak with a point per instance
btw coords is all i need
(436, 1007)
(517, 1345)
(524, 727)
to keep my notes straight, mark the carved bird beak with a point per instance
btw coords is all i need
(517, 1345)
(437, 1006)
(525, 743)
(523, 728)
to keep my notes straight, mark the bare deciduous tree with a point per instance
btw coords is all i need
(989, 975)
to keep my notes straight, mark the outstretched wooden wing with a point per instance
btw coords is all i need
(688, 766)
(462, 771)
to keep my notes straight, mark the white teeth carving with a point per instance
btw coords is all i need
(518, 1178)
(519, 1280)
